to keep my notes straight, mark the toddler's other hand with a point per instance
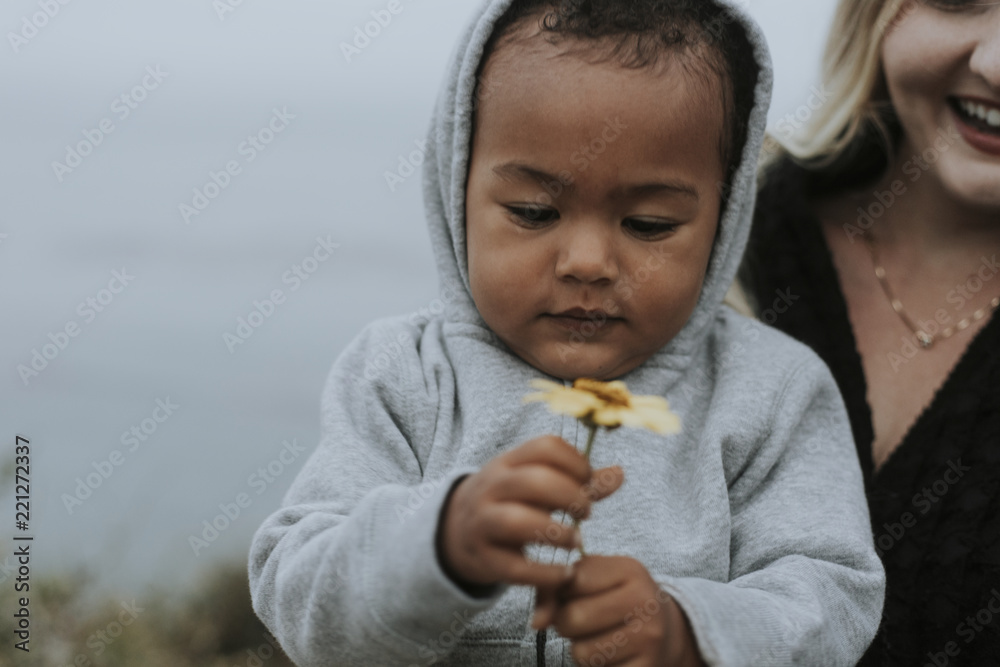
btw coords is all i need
(492, 514)
(613, 612)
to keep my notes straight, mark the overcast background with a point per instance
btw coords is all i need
(62, 235)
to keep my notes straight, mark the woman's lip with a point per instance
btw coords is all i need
(984, 143)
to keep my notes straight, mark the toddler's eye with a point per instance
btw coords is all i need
(649, 229)
(533, 215)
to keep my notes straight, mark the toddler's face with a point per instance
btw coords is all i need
(591, 207)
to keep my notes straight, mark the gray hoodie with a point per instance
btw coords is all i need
(753, 518)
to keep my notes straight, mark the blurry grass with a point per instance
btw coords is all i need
(212, 627)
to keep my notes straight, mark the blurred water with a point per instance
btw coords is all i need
(162, 336)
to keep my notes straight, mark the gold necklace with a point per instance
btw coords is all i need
(925, 339)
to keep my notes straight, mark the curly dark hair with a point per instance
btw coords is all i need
(641, 33)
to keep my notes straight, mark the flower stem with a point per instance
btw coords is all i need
(586, 454)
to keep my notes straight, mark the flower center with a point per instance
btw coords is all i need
(612, 393)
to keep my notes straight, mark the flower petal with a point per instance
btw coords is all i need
(575, 404)
(610, 416)
(608, 404)
(650, 402)
(564, 400)
(655, 419)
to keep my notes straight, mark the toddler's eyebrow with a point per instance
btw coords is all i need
(517, 171)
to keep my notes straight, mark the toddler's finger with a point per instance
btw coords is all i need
(514, 525)
(604, 482)
(543, 487)
(546, 604)
(554, 452)
(517, 569)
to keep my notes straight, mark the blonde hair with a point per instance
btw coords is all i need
(852, 74)
(858, 109)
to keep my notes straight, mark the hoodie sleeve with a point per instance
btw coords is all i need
(346, 571)
(806, 585)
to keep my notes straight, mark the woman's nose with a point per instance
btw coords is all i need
(587, 255)
(986, 58)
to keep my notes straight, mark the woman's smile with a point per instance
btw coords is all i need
(978, 121)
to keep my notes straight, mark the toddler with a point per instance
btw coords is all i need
(589, 186)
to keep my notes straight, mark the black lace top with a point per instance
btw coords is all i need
(935, 503)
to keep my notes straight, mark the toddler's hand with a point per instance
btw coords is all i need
(492, 514)
(614, 613)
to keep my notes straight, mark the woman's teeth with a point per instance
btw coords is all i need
(989, 115)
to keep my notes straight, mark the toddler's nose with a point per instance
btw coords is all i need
(587, 255)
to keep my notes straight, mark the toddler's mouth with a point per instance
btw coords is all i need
(595, 316)
(583, 321)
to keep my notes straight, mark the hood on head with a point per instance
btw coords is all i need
(446, 169)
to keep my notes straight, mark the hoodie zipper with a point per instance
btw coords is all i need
(540, 639)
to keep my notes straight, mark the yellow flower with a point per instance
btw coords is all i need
(607, 404)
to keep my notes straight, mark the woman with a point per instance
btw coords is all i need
(876, 242)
